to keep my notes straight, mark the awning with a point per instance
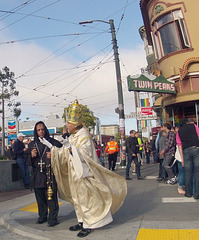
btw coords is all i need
(158, 102)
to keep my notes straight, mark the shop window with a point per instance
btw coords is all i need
(190, 111)
(169, 34)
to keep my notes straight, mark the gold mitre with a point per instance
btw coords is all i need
(74, 113)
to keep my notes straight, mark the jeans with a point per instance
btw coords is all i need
(191, 165)
(101, 159)
(175, 168)
(162, 172)
(155, 156)
(24, 171)
(148, 157)
(135, 159)
(168, 160)
(181, 175)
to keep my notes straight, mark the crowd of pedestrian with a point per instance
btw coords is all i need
(176, 150)
(178, 156)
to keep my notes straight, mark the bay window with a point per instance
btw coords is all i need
(169, 34)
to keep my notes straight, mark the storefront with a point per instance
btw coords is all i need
(186, 110)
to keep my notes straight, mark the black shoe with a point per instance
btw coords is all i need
(139, 178)
(128, 178)
(84, 232)
(40, 221)
(159, 179)
(27, 186)
(196, 197)
(186, 195)
(52, 224)
(77, 227)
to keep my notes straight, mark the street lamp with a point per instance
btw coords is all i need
(120, 109)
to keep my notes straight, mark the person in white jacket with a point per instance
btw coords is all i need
(95, 192)
(181, 172)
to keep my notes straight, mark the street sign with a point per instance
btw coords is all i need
(131, 115)
(139, 116)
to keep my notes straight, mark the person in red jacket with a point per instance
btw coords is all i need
(112, 148)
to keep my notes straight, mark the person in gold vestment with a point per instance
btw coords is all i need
(95, 192)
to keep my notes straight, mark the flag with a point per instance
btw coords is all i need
(145, 102)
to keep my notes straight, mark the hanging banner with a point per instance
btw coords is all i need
(144, 84)
(12, 127)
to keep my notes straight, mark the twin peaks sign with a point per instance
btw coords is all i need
(144, 84)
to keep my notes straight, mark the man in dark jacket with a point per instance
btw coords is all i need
(131, 148)
(19, 149)
(42, 178)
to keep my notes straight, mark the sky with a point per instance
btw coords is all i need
(56, 60)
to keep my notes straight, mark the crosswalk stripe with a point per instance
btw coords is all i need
(151, 177)
(178, 200)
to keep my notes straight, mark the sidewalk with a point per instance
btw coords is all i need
(5, 196)
(149, 207)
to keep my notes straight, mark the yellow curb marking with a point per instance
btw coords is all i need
(168, 234)
(33, 207)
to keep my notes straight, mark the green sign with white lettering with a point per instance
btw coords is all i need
(144, 84)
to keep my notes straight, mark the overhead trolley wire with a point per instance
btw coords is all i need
(47, 59)
(29, 15)
(47, 37)
(8, 13)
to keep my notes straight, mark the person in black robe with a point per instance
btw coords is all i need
(37, 156)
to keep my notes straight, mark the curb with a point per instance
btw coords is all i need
(17, 228)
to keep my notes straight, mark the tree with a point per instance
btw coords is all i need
(117, 137)
(88, 116)
(8, 90)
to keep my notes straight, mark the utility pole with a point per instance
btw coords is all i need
(3, 124)
(120, 96)
(120, 109)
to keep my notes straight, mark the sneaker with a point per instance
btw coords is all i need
(168, 181)
(173, 180)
